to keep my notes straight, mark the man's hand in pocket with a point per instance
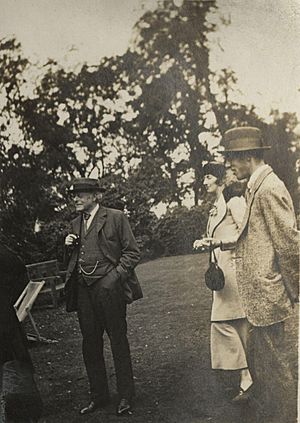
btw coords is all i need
(110, 280)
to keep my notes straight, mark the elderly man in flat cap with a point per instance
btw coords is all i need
(267, 263)
(100, 281)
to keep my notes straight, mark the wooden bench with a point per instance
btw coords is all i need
(49, 272)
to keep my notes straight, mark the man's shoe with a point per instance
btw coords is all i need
(124, 408)
(92, 407)
(243, 396)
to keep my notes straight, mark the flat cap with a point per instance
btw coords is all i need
(243, 139)
(86, 185)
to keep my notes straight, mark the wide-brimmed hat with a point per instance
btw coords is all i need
(216, 169)
(244, 138)
(86, 185)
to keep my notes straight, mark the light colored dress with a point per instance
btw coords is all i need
(229, 326)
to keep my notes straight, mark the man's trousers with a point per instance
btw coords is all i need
(275, 395)
(101, 309)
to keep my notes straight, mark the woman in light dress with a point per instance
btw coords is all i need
(229, 326)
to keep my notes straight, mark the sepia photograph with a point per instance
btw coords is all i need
(149, 211)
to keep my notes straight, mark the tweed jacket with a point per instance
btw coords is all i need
(226, 222)
(267, 252)
(118, 245)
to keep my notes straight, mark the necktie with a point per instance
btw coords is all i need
(86, 217)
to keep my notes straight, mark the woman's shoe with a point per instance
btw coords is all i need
(242, 396)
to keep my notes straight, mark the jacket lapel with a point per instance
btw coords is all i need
(99, 220)
(76, 225)
(215, 221)
(254, 189)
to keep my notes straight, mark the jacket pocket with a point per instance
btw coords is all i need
(110, 280)
(272, 286)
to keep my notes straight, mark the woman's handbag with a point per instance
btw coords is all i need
(214, 276)
(20, 395)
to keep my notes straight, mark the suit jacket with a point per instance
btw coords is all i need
(267, 252)
(226, 222)
(118, 245)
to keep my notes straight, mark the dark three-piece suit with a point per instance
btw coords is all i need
(100, 281)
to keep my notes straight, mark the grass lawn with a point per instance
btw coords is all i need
(169, 338)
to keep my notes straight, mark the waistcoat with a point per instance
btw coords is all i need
(92, 263)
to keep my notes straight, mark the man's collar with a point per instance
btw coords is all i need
(94, 211)
(255, 175)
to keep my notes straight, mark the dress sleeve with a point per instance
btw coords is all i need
(237, 207)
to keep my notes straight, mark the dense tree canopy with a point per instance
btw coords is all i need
(145, 120)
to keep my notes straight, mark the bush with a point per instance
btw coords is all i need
(178, 229)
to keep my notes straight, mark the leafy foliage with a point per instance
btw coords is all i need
(142, 120)
(178, 229)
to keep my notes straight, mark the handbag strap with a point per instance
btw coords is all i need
(212, 254)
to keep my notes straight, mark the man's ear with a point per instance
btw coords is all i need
(251, 160)
(98, 197)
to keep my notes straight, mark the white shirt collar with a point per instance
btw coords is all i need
(255, 175)
(92, 215)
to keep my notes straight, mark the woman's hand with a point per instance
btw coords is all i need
(205, 243)
(201, 244)
(198, 245)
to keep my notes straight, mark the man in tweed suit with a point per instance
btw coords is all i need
(267, 263)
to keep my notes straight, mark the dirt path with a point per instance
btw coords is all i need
(169, 337)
